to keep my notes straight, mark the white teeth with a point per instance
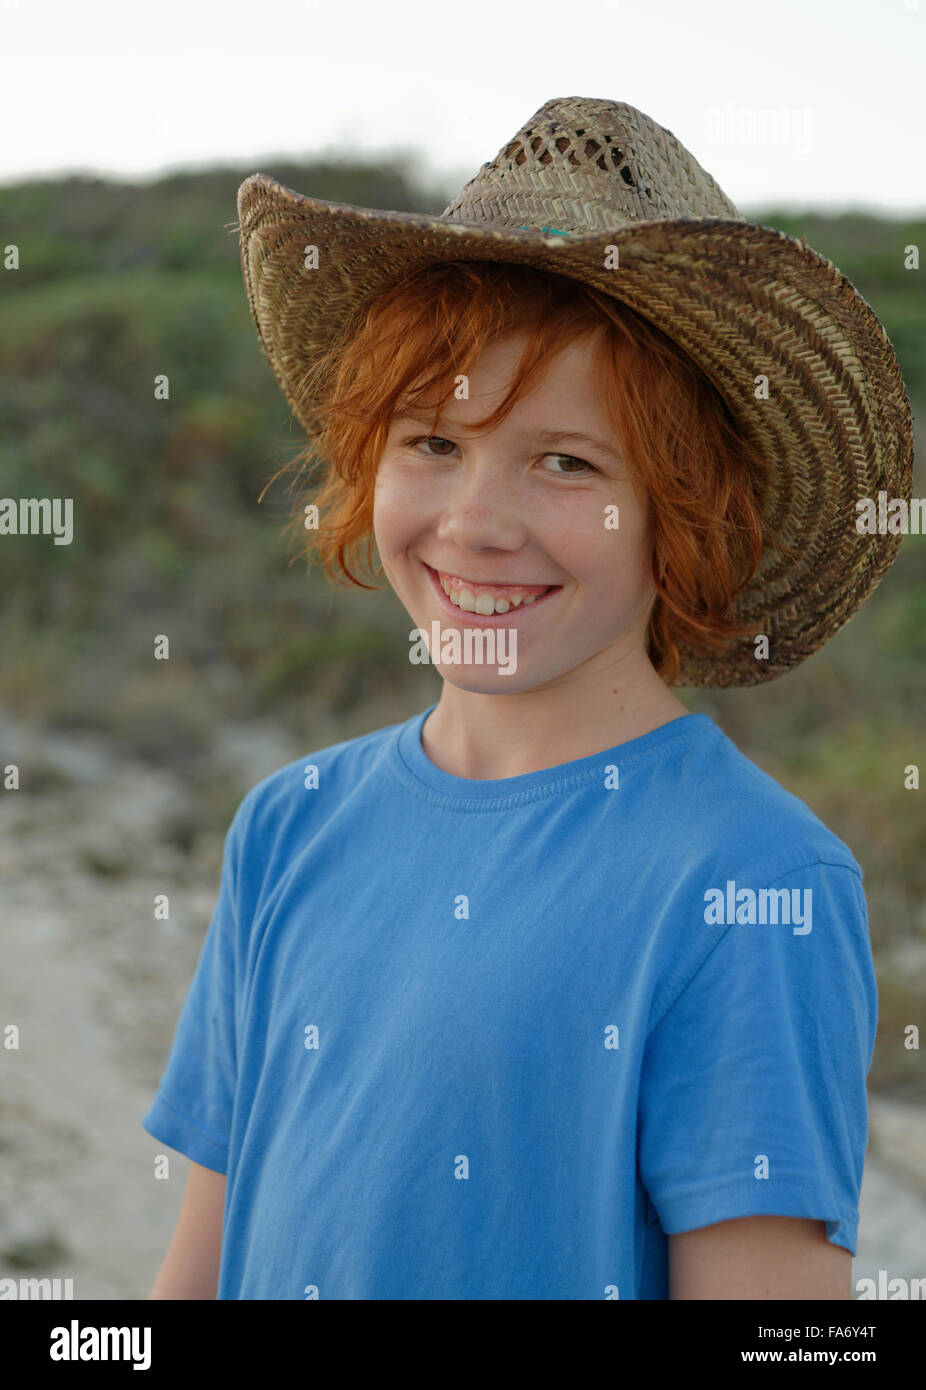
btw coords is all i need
(483, 603)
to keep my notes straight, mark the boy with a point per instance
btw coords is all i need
(547, 992)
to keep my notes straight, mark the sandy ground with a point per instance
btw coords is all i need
(94, 984)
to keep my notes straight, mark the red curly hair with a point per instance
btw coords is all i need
(687, 460)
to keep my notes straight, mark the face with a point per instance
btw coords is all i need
(511, 507)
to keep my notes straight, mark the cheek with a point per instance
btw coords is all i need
(623, 571)
(390, 508)
(637, 530)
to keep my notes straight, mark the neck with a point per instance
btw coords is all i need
(487, 737)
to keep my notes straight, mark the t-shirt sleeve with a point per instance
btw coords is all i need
(192, 1109)
(753, 1084)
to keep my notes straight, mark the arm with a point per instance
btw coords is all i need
(191, 1265)
(758, 1257)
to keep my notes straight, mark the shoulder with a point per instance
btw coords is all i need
(733, 814)
(282, 804)
(758, 886)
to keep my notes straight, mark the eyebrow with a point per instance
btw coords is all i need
(545, 436)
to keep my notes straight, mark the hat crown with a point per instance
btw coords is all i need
(586, 165)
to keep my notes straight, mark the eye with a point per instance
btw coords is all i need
(426, 439)
(569, 458)
(436, 438)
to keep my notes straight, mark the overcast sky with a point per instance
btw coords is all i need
(833, 90)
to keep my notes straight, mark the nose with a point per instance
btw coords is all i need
(481, 507)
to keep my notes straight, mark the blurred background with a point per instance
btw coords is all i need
(124, 145)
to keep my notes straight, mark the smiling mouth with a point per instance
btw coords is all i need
(487, 601)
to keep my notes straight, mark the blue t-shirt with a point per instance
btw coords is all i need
(461, 1039)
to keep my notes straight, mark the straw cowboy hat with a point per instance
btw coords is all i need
(745, 302)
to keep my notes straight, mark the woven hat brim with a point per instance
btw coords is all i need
(744, 300)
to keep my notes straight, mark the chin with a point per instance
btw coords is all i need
(488, 681)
